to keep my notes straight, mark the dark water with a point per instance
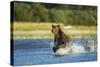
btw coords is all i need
(39, 51)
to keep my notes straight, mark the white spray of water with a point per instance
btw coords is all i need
(63, 51)
(93, 48)
(92, 45)
(70, 50)
(77, 49)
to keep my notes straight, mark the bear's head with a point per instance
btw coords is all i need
(56, 29)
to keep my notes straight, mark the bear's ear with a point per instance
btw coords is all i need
(52, 25)
(58, 25)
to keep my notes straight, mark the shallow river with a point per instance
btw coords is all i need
(39, 51)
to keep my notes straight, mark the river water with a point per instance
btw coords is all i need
(39, 51)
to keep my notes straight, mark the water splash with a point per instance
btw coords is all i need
(70, 50)
(77, 49)
(92, 45)
(63, 51)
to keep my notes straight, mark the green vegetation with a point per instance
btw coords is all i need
(55, 13)
(34, 20)
(28, 26)
(43, 30)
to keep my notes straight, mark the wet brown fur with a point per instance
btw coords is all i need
(60, 39)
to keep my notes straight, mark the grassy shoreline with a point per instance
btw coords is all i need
(48, 34)
(43, 30)
(47, 26)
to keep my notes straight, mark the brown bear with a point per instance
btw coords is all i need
(60, 39)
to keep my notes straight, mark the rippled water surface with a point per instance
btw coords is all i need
(39, 51)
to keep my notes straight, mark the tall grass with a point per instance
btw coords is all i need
(27, 26)
(36, 29)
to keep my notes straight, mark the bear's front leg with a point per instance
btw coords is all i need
(55, 48)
